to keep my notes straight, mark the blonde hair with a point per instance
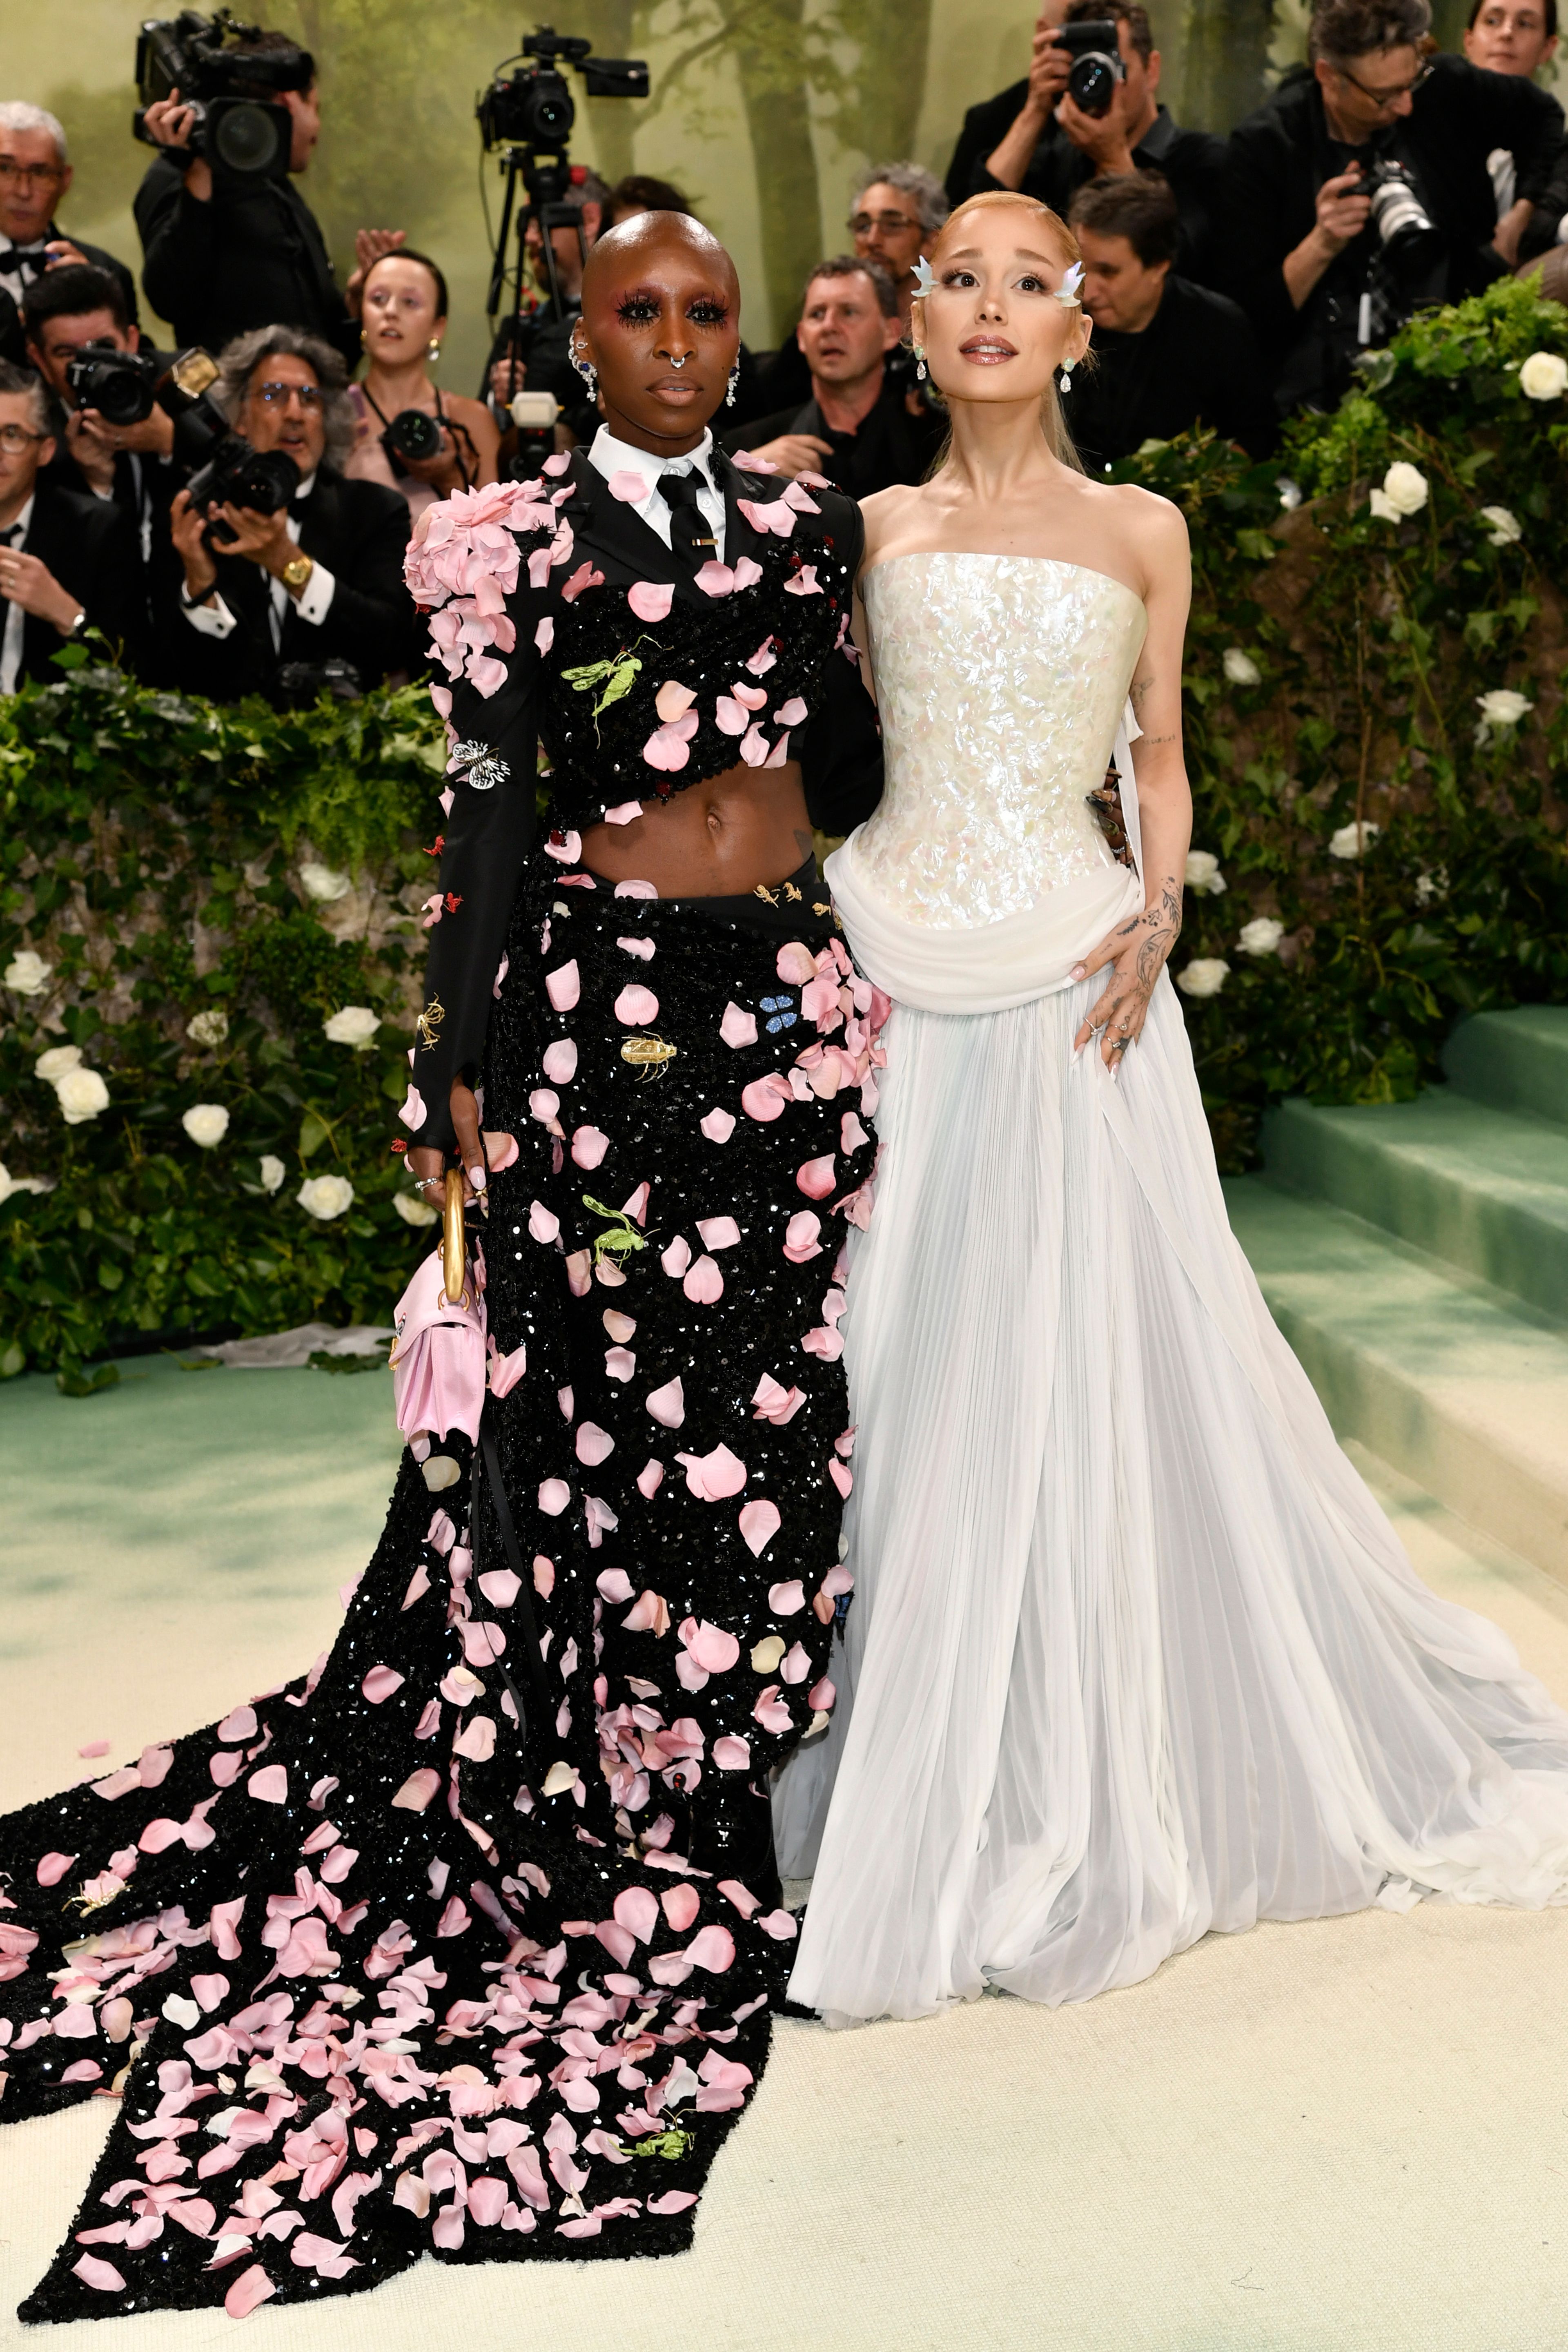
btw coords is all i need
(1059, 437)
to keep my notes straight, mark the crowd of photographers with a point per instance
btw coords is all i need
(232, 514)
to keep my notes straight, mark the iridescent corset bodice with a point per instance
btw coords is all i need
(1001, 681)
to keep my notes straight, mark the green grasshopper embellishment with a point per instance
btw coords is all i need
(670, 2143)
(617, 676)
(622, 1236)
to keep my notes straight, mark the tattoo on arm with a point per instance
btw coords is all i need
(1150, 740)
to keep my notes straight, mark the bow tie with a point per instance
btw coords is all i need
(10, 254)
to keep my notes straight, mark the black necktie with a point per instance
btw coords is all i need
(691, 533)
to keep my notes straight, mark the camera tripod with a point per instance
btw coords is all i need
(545, 178)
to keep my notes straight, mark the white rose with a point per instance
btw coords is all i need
(354, 1025)
(1241, 669)
(81, 1094)
(1262, 936)
(1350, 840)
(1205, 976)
(321, 882)
(26, 973)
(325, 1196)
(1203, 873)
(9, 1184)
(1384, 510)
(273, 1171)
(1505, 525)
(414, 1211)
(1502, 707)
(1290, 493)
(206, 1124)
(52, 1066)
(1431, 886)
(208, 1028)
(1406, 488)
(1544, 376)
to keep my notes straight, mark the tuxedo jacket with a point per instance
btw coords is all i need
(87, 544)
(360, 532)
(241, 260)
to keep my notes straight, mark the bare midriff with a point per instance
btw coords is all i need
(719, 839)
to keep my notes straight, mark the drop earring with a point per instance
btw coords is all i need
(919, 352)
(586, 370)
(734, 379)
(1066, 377)
(432, 349)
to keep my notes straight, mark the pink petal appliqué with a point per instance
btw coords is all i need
(719, 1126)
(760, 1523)
(649, 599)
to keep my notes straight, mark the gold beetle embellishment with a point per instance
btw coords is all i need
(652, 1054)
(429, 1022)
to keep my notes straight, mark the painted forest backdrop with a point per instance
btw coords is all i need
(763, 109)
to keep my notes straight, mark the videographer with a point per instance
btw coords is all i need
(1167, 355)
(532, 352)
(863, 428)
(1036, 138)
(67, 562)
(82, 344)
(35, 172)
(1361, 191)
(316, 580)
(226, 251)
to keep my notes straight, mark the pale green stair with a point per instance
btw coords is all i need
(1416, 1256)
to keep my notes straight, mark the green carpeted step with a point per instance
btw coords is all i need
(1517, 1061)
(1482, 1187)
(1434, 1375)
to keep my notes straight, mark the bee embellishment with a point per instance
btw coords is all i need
(652, 1055)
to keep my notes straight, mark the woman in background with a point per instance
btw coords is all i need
(402, 322)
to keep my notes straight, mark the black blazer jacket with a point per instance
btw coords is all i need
(218, 270)
(87, 544)
(360, 532)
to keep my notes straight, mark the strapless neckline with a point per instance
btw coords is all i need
(989, 555)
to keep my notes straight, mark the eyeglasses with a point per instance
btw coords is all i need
(1400, 88)
(29, 176)
(863, 224)
(279, 396)
(13, 438)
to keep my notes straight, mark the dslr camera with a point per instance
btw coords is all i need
(1399, 220)
(239, 128)
(228, 471)
(411, 435)
(534, 107)
(122, 385)
(1096, 67)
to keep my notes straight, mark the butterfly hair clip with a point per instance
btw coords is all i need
(1067, 292)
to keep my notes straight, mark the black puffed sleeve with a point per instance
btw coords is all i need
(840, 748)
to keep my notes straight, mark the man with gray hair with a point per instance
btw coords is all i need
(35, 172)
(895, 214)
(321, 580)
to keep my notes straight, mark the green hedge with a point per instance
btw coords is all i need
(155, 851)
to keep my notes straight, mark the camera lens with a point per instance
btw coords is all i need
(1092, 83)
(248, 138)
(413, 435)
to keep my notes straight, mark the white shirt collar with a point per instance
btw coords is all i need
(609, 456)
(25, 519)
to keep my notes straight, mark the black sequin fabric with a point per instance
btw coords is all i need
(387, 1964)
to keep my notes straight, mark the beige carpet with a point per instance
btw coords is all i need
(1348, 2133)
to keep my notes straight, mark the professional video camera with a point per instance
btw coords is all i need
(241, 132)
(1096, 67)
(228, 471)
(121, 385)
(529, 115)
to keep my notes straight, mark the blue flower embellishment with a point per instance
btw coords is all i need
(781, 1010)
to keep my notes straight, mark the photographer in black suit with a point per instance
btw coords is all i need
(223, 257)
(319, 581)
(66, 564)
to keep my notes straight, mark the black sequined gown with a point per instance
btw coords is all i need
(394, 1962)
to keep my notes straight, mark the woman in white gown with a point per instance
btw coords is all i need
(1132, 1654)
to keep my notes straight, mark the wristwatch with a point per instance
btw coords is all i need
(297, 572)
(77, 629)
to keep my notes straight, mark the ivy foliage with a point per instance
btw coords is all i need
(154, 855)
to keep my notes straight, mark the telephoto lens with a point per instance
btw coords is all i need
(119, 385)
(263, 481)
(413, 435)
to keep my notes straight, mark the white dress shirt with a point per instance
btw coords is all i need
(312, 604)
(609, 455)
(16, 619)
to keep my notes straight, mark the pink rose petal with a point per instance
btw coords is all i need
(794, 965)
(765, 1098)
(668, 1404)
(543, 1224)
(94, 2272)
(711, 1478)
(718, 1233)
(732, 1754)
(564, 986)
(800, 1237)
(52, 1867)
(417, 1790)
(715, 579)
(589, 1146)
(786, 1597)
(632, 488)
(650, 1478)
(380, 1683)
(544, 636)
(713, 1947)
(636, 1007)
(674, 699)
(680, 1905)
(270, 1784)
(803, 583)
(649, 599)
(554, 1496)
(739, 1027)
(561, 1062)
(719, 1126)
(649, 1613)
(754, 746)
(594, 1444)
(790, 713)
(704, 1284)
(815, 1177)
(760, 1523)
(676, 1257)
(623, 812)
(709, 1646)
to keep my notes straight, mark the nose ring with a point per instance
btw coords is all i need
(680, 363)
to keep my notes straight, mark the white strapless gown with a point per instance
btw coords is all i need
(1133, 1652)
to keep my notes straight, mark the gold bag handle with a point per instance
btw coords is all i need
(452, 1251)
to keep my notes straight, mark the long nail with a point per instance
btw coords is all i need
(476, 1178)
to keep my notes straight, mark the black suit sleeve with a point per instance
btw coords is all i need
(840, 747)
(371, 620)
(179, 242)
(1268, 207)
(111, 590)
(984, 126)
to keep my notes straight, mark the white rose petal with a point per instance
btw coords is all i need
(321, 882)
(1203, 873)
(208, 1028)
(354, 1025)
(52, 1066)
(1505, 525)
(1262, 936)
(81, 1094)
(1351, 839)
(26, 973)
(414, 1211)
(1406, 488)
(273, 1171)
(1241, 669)
(1544, 376)
(9, 1184)
(1205, 976)
(1384, 510)
(325, 1196)
(206, 1124)
(1502, 707)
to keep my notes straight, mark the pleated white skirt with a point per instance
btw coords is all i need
(1132, 1654)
